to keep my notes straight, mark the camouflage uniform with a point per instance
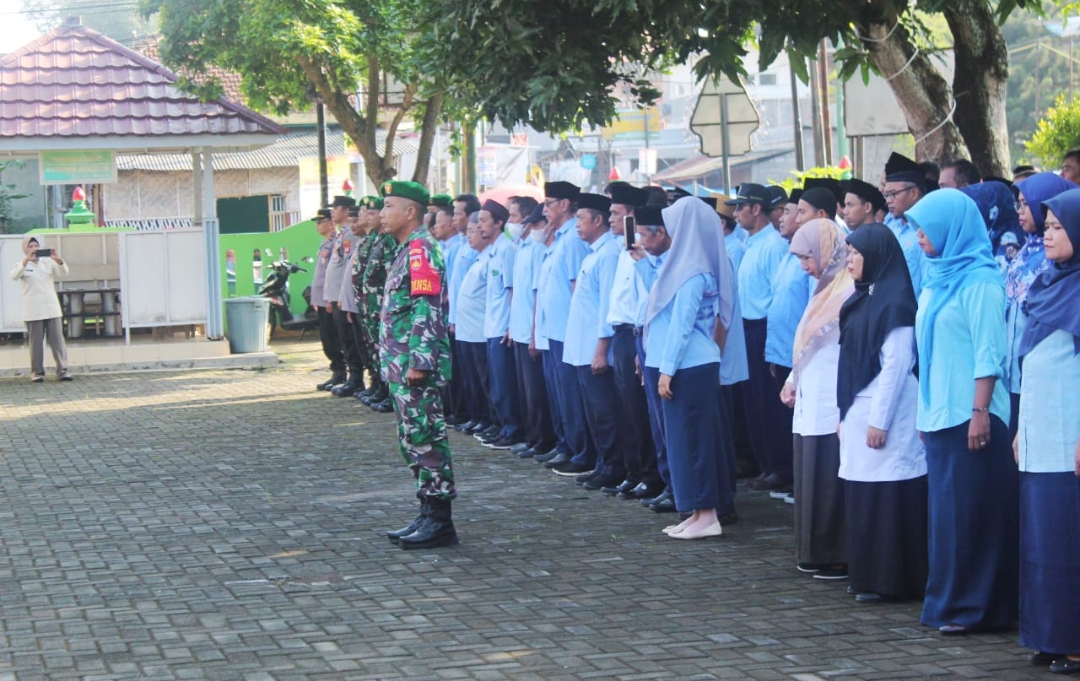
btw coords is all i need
(414, 335)
(378, 250)
(368, 346)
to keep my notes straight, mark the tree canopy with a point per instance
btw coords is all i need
(565, 54)
(370, 61)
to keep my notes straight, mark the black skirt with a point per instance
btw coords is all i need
(886, 526)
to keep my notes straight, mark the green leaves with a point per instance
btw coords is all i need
(1057, 132)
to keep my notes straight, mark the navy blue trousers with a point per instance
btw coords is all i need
(475, 377)
(656, 417)
(572, 411)
(768, 420)
(639, 453)
(552, 361)
(502, 378)
(974, 530)
(693, 429)
(602, 421)
(533, 401)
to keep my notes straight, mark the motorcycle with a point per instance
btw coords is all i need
(275, 288)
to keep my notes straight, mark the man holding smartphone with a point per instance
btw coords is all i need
(625, 315)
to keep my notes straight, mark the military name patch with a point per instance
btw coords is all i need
(425, 280)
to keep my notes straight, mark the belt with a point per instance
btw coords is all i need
(623, 327)
(639, 330)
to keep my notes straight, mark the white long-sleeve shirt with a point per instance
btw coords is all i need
(38, 280)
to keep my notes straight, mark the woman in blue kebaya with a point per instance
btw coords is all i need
(963, 415)
(1047, 448)
(1026, 266)
(692, 290)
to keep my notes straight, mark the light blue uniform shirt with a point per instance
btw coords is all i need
(734, 367)
(526, 266)
(764, 251)
(680, 335)
(736, 248)
(464, 256)
(1048, 424)
(740, 233)
(791, 294)
(472, 299)
(1016, 322)
(968, 342)
(450, 249)
(500, 280)
(553, 288)
(587, 319)
(913, 255)
(648, 268)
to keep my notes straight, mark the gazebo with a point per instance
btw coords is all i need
(75, 99)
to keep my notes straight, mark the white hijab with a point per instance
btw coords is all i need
(697, 247)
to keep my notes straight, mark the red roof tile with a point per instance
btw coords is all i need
(75, 82)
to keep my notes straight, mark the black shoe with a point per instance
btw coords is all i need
(624, 486)
(489, 433)
(520, 447)
(869, 597)
(526, 453)
(1064, 665)
(600, 482)
(380, 394)
(348, 388)
(665, 506)
(546, 456)
(503, 443)
(395, 535)
(477, 427)
(832, 573)
(585, 477)
(571, 469)
(67, 377)
(463, 427)
(327, 384)
(729, 518)
(772, 482)
(454, 420)
(1041, 659)
(558, 460)
(384, 407)
(664, 495)
(642, 491)
(436, 530)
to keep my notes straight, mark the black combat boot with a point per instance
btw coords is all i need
(385, 406)
(436, 530)
(376, 394)
(334, 380)
(349, 387)
(395, 535)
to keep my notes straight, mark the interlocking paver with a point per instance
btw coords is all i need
(227, 525)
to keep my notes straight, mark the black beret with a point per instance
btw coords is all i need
(649, 215)
(561, 190)
(597, 202)
(628, 195)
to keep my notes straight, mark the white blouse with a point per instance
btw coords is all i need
(816, 412)
(38, 281)
(889, 403)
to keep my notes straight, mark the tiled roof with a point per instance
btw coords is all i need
(74, 82)
(284, 153)
(230, 80)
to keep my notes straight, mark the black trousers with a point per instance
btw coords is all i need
(601, 421)
(331, 345)
(533, 403)
(768, 420)
(350, 350)
(478, 382)
(639, 456)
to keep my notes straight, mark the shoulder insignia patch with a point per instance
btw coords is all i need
(425, 280)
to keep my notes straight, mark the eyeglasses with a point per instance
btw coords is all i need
(1021, 205)
(551, 202)
(893, 194)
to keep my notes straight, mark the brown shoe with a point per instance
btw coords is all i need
(772, 482)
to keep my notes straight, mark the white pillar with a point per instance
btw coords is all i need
(215, 327)
(196, 186)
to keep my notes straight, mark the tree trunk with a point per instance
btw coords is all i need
(923, 94)
(428, 126)
(979, 85)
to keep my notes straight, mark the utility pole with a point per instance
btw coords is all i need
(823, 81)
(324, 182)
(796, 117)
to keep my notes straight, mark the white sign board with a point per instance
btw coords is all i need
(163, 278)
(10, 291)
(742, 118)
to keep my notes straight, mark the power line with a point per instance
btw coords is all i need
(112, 6)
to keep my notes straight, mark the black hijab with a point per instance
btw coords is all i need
(1052, 298)
(883, 300)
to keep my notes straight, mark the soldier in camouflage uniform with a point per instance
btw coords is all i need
(378, 249)
(414, 348)
(369, 207)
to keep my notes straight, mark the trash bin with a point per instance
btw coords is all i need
(248, 319)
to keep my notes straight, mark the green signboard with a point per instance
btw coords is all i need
(92, 166)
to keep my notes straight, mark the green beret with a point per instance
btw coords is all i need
(371, 203)
(406, 190)
(442, 201)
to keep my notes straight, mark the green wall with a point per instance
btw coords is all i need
(299, 240)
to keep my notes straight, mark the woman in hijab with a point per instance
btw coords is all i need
(997, 205)
(963, 415)
(882, 461)
(1024, 268)
(37, 273)
(1047, 448)
(820, 540)
(692, 290)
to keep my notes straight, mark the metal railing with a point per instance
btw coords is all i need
(153, 224)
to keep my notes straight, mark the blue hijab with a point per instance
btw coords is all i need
(1030, 262)
(1052, 302)
(953, 224)
(997, 205)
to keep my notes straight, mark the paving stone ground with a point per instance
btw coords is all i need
(227, 525)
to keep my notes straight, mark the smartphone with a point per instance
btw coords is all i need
(44, 252)
(630, 231)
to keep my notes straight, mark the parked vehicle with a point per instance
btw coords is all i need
(275, 288)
